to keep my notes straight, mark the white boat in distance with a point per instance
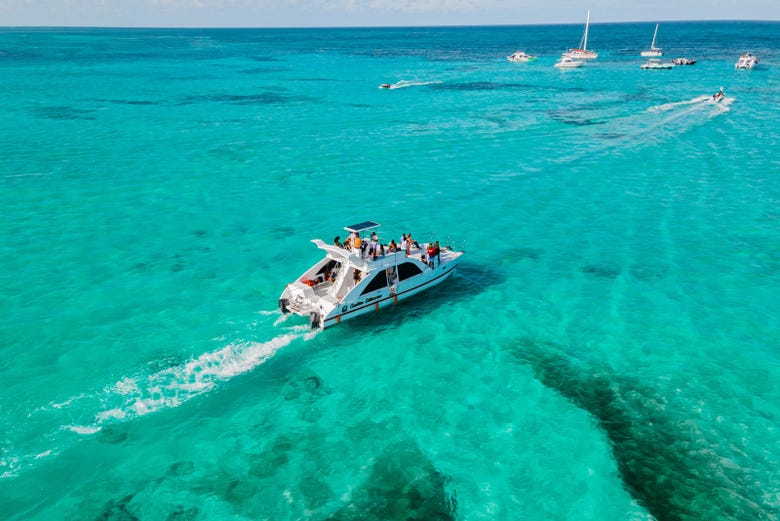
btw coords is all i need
(566, 62)
(653, 52)
(582, 53)
(747, 61)
(350, 282)
(520, 56)
(656, 64)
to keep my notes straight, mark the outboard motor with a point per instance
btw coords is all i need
(315, 320)
(283, 305)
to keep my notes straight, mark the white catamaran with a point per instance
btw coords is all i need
(653, 51)
(582, 52)
(351, 281)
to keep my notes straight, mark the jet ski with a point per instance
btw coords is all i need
(718, 95)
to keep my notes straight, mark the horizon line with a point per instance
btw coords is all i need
(228, 27)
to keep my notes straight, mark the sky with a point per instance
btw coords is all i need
(344, 13)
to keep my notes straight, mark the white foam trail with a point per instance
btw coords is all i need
(722, 107)
(670, 106)
(84, 430)
(402, 84)
(282, 318)
(36, 174)
(642, 128)
(132, 397)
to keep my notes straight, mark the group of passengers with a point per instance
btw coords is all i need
(373, 250)
(366, 249)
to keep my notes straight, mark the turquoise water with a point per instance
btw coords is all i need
(609, 348)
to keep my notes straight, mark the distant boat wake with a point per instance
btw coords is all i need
(135, 396)
(697, 102)
(656, 124)
(670, 106)
(404, 84)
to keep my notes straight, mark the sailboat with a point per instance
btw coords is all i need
(653, 52)
(582, 52)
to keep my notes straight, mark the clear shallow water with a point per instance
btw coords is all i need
(608, 349)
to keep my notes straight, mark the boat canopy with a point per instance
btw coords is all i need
(341, 255)
(361, 227)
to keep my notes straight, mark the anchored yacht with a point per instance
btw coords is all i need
(349, 281)
(567, 62)
(520, 56)
(746, 61)
(653, 51)
(582, 52)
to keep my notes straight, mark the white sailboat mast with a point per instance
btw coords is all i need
(585, 39)
(652, 45)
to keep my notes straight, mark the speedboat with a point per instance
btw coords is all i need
(656, 64)
(567, 62)
(747, 61)
(582, 52)
(653, 51)
(683, 61)
(520, 56)
(349, 282)
(384, 86)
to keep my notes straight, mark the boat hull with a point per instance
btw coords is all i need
(568, 64)
(385, 298)
(580, 54)
(362, 285)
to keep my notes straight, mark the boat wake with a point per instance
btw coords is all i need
(135, 396)
(695, 104)
(131, 397)
(655, 125)
(670, 106)
(404, 84)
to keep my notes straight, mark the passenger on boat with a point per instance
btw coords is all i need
(337, 242)
(392, 247)
(356, 243)
(437, 252)
(431, 251)
(348, 244)
(408, 244)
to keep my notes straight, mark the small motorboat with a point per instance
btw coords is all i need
(350, 281)
(683, 61)
(567, 62)
(747, 61)
(520, 57)
(655, 64)
(385, 86)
